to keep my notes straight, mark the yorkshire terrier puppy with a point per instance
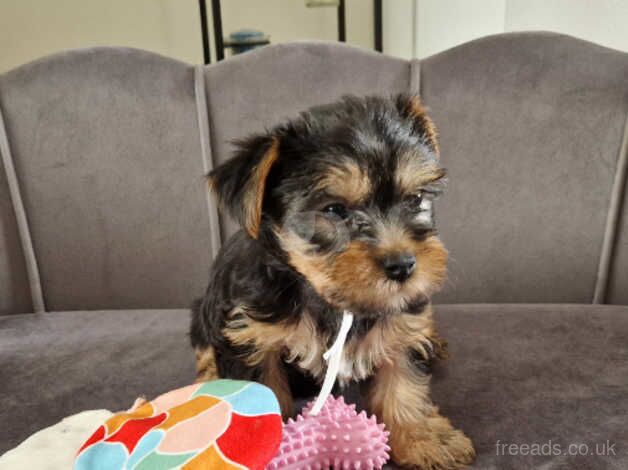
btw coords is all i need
(337, 213)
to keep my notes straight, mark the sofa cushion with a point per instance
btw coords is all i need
(518, 374)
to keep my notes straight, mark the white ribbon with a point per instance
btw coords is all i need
(333, 356)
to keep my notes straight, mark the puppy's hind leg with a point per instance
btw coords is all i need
(206, 368)
(267, 369)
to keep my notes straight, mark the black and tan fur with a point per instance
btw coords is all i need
(336, 210)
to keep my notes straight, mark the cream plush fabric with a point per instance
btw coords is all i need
(54, 447)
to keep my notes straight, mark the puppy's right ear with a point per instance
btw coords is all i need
(411, 107)
(240, 182)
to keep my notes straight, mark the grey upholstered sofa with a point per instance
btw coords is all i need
(107, 232)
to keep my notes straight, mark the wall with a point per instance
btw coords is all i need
(412, 28)
(398, 25)
(427, 27)
(34, 28)
(601, 21)
(441, 24)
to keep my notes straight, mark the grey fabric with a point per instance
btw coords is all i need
(107, 151)
(30, 259)
(520, 374)
(530, 127)
(56, 364)
(415, 77)
(257, 90)
(14, 291)
(618, 262)
(203, 124)
(618, 291)
(106, 148)
(527, 374)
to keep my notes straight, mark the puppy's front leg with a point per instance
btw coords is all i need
(419, 436)
(274, 376)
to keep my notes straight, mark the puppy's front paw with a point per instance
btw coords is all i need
(434, 445)
(458, 448)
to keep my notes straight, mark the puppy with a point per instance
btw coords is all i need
(337, 213)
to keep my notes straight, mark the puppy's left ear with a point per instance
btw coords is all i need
(411, 107)
(240, 183)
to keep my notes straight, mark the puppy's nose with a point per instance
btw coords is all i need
(399, 266)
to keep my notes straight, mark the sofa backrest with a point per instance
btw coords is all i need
(531, 126)
(14, 290)
(105, 144)
(618, 267)
(110, 146)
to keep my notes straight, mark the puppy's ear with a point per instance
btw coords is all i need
(240, 183)
(411, 107)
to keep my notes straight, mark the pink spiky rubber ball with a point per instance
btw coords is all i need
(337, 437)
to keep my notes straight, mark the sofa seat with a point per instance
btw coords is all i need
(59, 363)
(519, 374)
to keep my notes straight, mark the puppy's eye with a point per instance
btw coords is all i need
(416, 201)
(337, 209)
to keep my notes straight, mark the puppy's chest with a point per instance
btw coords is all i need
(363, 353)
(304, 342)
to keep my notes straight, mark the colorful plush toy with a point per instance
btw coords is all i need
(224, 424)
(338, 436)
